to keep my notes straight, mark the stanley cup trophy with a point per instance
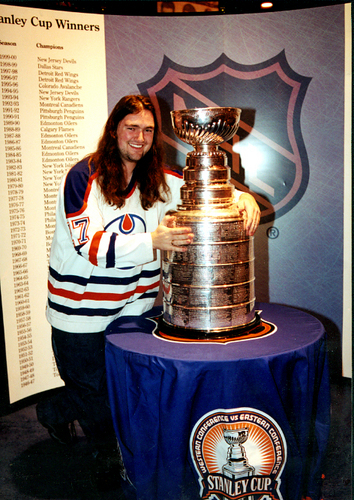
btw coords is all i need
(208, 291)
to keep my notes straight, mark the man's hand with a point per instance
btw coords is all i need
(250, 210)
(168, 237)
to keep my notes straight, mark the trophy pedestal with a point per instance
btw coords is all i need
(237, 471)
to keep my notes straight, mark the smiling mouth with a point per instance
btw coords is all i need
(136, 146)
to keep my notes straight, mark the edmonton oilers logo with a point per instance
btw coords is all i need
(238, 454)
(127, 224)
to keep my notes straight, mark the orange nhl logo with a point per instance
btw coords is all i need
(238, 454)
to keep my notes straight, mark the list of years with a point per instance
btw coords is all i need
(61, 112)
(13, 165)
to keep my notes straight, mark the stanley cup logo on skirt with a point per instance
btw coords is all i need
(238, 454)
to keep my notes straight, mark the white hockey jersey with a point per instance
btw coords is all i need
(102, 264)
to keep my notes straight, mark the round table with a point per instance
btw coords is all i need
(163, 393)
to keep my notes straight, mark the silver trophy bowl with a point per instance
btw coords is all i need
(208, 290)
(206, 125)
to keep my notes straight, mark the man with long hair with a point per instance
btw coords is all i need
(111, 223)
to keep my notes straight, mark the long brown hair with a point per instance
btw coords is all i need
(148, 172)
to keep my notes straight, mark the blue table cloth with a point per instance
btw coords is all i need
(170, 400)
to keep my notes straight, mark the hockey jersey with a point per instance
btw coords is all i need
(102, 263)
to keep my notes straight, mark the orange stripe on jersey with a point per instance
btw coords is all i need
(97, 296)
(175, 173)
(94, 247)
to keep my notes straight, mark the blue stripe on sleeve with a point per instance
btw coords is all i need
(83, 311)
(110, 257)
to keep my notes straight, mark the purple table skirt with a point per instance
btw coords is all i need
(160, 392)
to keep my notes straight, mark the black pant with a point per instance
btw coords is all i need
(80, 358)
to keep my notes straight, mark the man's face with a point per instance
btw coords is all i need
(135, 134)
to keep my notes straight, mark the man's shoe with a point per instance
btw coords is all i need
(62, 433)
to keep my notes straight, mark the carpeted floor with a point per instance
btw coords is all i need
(34, 467)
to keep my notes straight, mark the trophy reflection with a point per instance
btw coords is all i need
(237, 465)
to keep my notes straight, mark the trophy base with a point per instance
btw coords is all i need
(236, 472)
(180, 332)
